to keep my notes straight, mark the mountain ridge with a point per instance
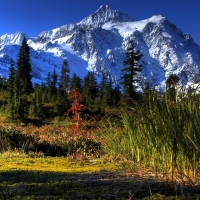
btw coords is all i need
(98, 43)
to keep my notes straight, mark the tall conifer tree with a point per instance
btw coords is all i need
(105, 92)
(23, 84)
(116, 95)
(23, 73)
(90, 88)
(10, 90)
(131, 70)
(102, 86)
(65, 77)
(48, 88)
(11, 81)
(76, 83)
(54, 81)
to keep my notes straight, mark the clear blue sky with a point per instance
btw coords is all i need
(34, 16)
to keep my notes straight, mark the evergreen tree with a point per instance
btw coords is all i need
(107, 96)
(76, 83)
(105, 92)
(131, 70)
(61, 104)
(86, 88)
(54, 81)
(10, 91)
(116, 95)
(53, 90)
(22, 84)
(23, 73)
(36, 108)
(3, 83)
(65, 77)
(90, 88)
(11, 81)
(21, 107)
(102, 86)
(43, 88)
(48, 80)
(93, 86)
(48, 88)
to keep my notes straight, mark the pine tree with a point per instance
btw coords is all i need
(21, 107)
(105, 92)
(54, 81)
(116, 95)
(61, 103)
(48, 80)
(131, 70)
(22, 84)
(10, 91)
(23, 73)
(93, 86)
(86, 89)
(102, 86)
(76, 83)
(90, 88)
(11, 81)
(48, 89)
(36, 108)
(107, 97)
(65, 77)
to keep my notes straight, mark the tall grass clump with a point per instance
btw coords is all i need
(161, 133)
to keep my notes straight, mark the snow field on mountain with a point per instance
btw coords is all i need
(98, 43)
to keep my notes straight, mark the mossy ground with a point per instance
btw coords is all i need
(39, 177)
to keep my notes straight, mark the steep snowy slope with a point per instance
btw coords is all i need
(98, 43)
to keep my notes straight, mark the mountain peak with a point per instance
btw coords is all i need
(104, 7)
(11, 39)
(97, 43)
(104, 14)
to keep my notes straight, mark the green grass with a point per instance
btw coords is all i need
(163, 134)
(146, 152)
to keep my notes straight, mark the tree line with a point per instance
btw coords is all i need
(23, 99)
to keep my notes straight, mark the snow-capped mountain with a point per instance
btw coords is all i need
(98, 43)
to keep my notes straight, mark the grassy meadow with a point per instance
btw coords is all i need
(149, 150)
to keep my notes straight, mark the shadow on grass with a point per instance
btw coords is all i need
(98, 185)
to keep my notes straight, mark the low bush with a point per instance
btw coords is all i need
(50, 140)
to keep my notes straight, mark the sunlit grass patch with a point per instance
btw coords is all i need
(14, 162)
(40, 177)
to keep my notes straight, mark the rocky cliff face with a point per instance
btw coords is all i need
(98, 43)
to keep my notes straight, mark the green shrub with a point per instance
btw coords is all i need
(12, 139)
